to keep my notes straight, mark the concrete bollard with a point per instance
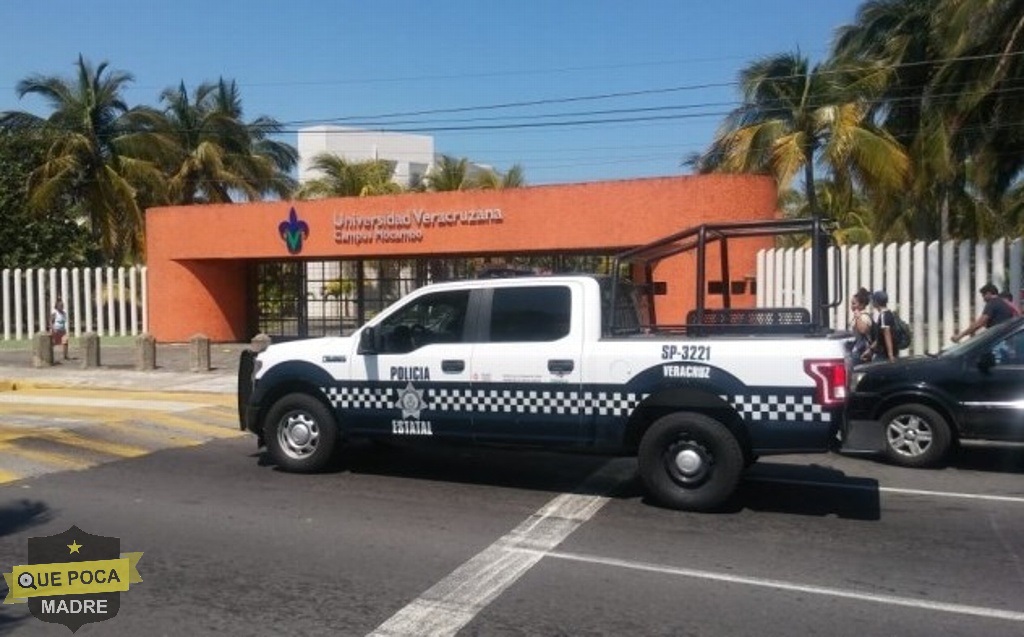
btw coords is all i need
(260, 342)
(42, 350)
(199, 353)
(145, 352)
(90, 345)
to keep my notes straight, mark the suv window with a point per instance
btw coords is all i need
(1010, 351)
(434, 318)
(530, 314)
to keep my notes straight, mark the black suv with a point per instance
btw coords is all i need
(925, 405)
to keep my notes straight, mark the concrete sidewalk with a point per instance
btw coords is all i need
(117, 369)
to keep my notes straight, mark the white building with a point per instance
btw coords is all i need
(413, 154)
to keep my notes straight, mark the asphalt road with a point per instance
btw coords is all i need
(498, 542)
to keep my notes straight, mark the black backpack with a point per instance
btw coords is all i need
(901, 334)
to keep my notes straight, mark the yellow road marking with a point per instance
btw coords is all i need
(7, 476)
(82, 411)
(227, 400)
(46, 457)
(219, 414)
(177, 422)
(132, 429)
(76, 439)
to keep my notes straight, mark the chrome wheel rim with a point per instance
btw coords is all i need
(298, 435)
(909, 435)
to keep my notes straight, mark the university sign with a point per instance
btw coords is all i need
(407, 226)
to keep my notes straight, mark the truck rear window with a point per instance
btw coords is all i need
(530, 314)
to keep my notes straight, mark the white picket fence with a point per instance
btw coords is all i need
(107, 301)
(932, 285)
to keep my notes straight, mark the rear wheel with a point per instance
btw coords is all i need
(300, 433)
(916, 436)
(690, 461)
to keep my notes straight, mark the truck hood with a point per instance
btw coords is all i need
(329, 349)
(916, 369)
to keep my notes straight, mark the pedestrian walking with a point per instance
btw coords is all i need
(883, 344)
(861, 325)
(59, 327)
(995, 311)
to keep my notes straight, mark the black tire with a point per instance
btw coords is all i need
(690, 461)
(301, 433)
(916, 436)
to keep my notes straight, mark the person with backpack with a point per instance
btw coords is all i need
(996, 311)
(884, 342)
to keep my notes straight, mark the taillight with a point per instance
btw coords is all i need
(829, 380)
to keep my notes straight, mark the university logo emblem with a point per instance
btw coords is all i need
(293, 231)
(73, 578)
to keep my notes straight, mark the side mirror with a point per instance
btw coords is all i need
(986, 361)
(367, 341)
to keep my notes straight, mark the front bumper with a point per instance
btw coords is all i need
(862, 432)
(246, 413)
(862, 436)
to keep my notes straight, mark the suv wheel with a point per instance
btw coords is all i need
(916, 436)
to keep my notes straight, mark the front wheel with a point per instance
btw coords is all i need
(916, 436)
(690, 461)
(301, 433)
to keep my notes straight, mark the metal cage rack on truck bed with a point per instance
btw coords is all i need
(702, 320)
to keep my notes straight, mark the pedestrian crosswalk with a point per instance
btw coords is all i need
(47, 430)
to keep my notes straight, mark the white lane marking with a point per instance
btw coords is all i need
(895, 490)
(446, 607)
(71, 401)
(892, 600)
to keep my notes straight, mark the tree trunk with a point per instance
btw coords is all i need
(812, 197)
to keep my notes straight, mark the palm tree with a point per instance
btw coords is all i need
(342, 178)
(212, 155)
(493, 180)
(87, 163)
(900, 39)
(448, 174)
(982, 77)
(951, 98)
(793, 116)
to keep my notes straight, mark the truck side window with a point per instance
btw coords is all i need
(434, 318)
(530, 314)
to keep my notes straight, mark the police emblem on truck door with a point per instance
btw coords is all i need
(410, 401)
(418, 351)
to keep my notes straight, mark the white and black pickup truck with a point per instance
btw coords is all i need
(546, 362)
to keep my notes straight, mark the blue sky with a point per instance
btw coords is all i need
(308, 62)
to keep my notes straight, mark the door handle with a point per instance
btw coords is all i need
(453, 366)
(561, 366)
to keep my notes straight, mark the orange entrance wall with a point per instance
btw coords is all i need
(198, 256)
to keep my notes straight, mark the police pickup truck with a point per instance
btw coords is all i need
(570, 362)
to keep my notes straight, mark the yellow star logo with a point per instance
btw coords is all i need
(74, 546)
